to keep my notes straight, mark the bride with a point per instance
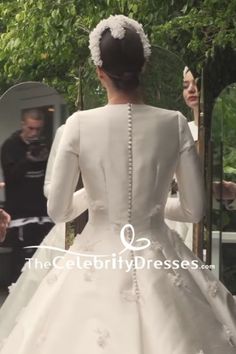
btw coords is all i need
(128, 284)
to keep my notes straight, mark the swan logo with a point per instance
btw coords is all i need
(127, 237)
(128, 230)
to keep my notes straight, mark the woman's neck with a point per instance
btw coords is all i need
(119, 97)
(196, 115)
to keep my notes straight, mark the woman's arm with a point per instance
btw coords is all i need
(189, 207)
(80, 196)
(51, 160)
(62, 200)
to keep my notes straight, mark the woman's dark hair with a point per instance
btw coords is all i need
(122, 59)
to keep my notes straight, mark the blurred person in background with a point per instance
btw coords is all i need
(24, 158)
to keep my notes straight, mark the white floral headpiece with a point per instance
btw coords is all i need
(185, 71)
(116, 24)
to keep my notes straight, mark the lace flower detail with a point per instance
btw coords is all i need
(176, 279)
(40, 339)
(228, 335)
(51, 279)
(156, 246)
(116, 24)
(88, 274)
(212, 288)
(155, 210)
(128, 295)
(97, 205)
(103, 336)
(11, 287)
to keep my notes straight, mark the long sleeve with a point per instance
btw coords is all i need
(51, 160)
(189, 207)
(79, 199)
(65, 173)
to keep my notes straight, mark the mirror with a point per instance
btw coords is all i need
(28, 95)
(218, 88)
(13, 104)
(224, 187)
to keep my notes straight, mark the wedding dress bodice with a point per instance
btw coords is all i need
(127, 155)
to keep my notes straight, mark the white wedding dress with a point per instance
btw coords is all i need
(127, 156)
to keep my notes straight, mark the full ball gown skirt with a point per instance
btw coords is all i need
(32, 274)
(146, 310)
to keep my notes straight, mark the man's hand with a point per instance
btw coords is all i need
(227, 189)
(4, 222)
(41, 156)
(4, 219)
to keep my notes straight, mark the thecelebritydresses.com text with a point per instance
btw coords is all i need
(115, 262)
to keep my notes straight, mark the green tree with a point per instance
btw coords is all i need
(199, 31)
(48, 40)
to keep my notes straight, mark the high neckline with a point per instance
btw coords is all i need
(126, 104)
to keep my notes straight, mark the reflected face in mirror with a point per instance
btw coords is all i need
(190, 90)
(31, 128)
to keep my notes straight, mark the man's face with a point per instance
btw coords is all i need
(31, 129)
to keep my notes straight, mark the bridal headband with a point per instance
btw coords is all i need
(117, 25)
(185, 71)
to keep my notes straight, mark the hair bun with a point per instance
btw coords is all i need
(128, 80)
(122, 60)
(128, 76)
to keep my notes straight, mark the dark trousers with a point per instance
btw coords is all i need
(19, 237)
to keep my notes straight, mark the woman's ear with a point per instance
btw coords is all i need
(101, 76)
(99, 72)
(144, 67)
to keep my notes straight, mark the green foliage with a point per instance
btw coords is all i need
(48, 40)
(44, 41)
(202, 28)
(223, 130)
(223, 134)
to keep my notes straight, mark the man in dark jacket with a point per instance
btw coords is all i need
(24, 157)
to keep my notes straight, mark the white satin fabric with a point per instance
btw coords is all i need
(111, 311)
(185, 229)
(22, 291)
